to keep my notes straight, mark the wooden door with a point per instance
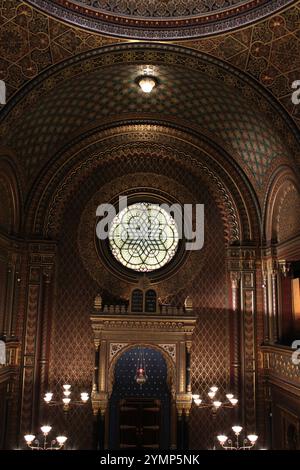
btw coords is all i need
(140, 422)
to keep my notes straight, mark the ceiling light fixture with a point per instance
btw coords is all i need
(147, 83)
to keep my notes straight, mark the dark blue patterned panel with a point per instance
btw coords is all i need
(125, 386)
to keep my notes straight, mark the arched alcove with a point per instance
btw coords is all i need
(127, 391)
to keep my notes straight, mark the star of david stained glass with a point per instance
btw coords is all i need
(143, 237)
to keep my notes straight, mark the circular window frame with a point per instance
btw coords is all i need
(129, 239)
(105, 254)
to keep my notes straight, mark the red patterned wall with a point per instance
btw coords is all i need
(71, 357)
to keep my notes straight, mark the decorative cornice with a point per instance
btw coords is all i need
(160, 23)
(142, 322)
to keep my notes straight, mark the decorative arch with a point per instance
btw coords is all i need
(283, 183)
(10, 196)
(231, 189)
(171, 364)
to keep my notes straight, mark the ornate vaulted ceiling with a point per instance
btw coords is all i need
(269, 51)
(195, 91)
(63, 80)
(160, 19)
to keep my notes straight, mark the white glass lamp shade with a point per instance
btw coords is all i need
(66, 387)
(229, 396)
(84, 396)
(214, 389)
(66, 401)
(47, 398)
(217, 404)
(252, 438)
(61, 440)
(198, 401)
(29, 438)
(237, 429)
(233, 401)
(195, 397)
(211, 395)
(67, 393)
(222, 439)
(146, 84)
(46, 429)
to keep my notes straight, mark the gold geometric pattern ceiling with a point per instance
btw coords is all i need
(269, 51)
(101, 92)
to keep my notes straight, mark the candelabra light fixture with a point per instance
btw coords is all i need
(236, 443)
(35, 444)
(214, 404)
(66, 400)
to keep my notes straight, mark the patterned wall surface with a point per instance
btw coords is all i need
(71, 345)
(5, 209)
(288, 216)
(210, 350)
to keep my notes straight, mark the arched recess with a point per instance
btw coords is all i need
(10, 196)
(199, 156)
(282, 206)
(171, 365)
(159, 389)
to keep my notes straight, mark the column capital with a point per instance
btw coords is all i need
(183, 403)
(235, 277)
(48, 273)
(99, 402)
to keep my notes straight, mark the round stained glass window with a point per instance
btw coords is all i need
(143, 237)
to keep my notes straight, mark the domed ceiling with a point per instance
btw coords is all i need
(100, 87)
(160, 19)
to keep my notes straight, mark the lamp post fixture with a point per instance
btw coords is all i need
(35, 444)
(228, 444)
(66, 400)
